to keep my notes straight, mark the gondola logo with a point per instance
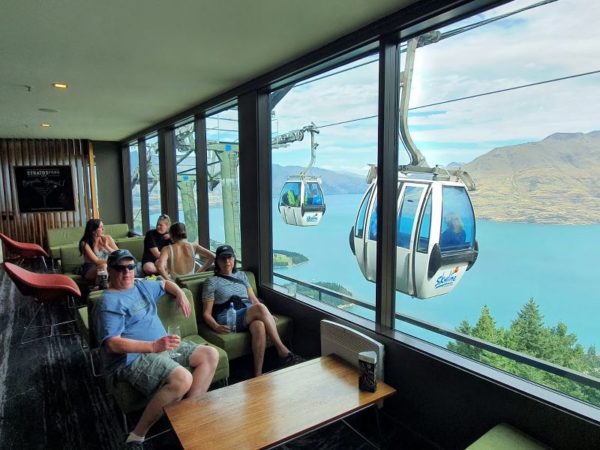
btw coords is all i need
(447, 280)
(312, 218)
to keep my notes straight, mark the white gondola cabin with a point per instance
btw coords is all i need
(435, 239)
(301, 201)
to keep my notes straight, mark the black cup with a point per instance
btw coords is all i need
(366, 363)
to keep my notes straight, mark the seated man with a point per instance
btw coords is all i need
(454, 234)
(135, 345)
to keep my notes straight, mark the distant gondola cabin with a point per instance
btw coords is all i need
(301, 201)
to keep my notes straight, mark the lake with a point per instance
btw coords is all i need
(554, 264)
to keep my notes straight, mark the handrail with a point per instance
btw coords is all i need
(470, 340)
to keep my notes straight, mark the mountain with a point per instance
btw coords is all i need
(332, 182)
(555, 180)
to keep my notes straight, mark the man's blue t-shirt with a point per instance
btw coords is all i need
(131, 314)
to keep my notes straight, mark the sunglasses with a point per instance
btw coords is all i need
(124, 268)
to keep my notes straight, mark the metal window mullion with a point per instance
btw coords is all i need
(127, 188)
(255, 183)
(202, 181)
(387, 180)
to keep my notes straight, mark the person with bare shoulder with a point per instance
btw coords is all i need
(95, 246)
(179, 258)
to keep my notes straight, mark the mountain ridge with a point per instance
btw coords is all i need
(554, 181)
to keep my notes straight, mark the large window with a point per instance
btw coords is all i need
(136, 196)
(153, 169)
(520, 119)
(324, 136)
(185, 149)
(223, 179)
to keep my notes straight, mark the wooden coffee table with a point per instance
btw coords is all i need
(274, 408)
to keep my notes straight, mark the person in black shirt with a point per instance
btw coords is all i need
(154, 241)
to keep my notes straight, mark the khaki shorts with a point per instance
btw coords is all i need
(149, 371)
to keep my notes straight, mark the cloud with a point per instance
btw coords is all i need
(542, 43)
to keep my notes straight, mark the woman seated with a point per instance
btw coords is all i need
(95, 246)
(253, 315)
(179, 258)
(154, 241)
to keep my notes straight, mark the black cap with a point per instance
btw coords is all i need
(224, 250)
(117, 256)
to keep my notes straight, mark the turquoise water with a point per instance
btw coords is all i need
(555, 264)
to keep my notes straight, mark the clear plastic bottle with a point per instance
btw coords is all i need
(231, 318)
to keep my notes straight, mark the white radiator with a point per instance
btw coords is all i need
(348, 343)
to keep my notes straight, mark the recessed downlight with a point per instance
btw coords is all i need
(60, 85)
(48, 110)
(45, 125)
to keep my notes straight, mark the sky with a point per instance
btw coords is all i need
(557, 40)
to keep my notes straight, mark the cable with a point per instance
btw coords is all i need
(568, 77)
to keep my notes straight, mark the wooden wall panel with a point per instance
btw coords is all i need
(31, 227)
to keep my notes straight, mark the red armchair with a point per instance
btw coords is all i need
(23, 251)
(46, 289)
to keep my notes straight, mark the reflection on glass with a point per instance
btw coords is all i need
(153, 168)
(223, 179)
(185, 148)
(341, 105)
(136, 197)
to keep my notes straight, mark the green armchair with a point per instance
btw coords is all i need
(235, 344)
(127, 398)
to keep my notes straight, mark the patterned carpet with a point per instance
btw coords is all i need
(50, 400)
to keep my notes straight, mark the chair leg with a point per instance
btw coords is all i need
(51, 325)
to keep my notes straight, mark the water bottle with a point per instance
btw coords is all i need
(231, 317)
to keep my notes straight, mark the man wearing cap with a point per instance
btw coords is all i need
(135, 345)
(220, 290)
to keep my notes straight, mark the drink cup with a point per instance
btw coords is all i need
(366, 363)
(102, 279)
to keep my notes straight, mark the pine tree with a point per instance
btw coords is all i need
(527, 333)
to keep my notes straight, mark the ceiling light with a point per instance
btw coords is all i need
(49, 110)
(45, 125)
(60, 85)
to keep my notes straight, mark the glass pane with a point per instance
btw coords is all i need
(458, 222)
(185, 148)
(425, 230)
(406, 218)
(136, 196)
(520, 121)
(153, 167)
(223, 179)
(360, 221)
(324, 138)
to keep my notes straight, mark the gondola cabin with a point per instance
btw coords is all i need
(301, 201)
(435, 239)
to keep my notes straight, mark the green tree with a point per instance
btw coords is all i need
(527, 333)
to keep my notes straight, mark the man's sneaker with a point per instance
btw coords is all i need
(290, 359)
(133, 445)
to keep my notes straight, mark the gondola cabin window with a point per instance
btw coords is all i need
(458, 220)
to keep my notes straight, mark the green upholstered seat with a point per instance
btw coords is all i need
(130, 399)
(134, 244)
(70, 236)
(62, 237)
(235, 344)
(506, 437)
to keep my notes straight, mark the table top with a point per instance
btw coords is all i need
(273, 408)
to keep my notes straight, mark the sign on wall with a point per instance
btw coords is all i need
(44, 188)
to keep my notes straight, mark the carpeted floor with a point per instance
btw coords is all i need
(50, 400)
